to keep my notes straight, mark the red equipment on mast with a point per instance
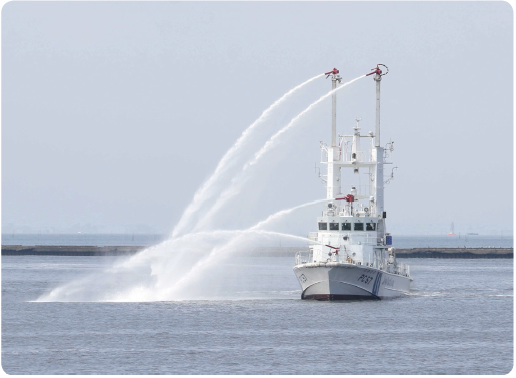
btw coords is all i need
(334, 72)
(378, 71)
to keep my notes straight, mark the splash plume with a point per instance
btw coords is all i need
(163, 272)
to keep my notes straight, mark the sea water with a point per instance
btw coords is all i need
(458, 319)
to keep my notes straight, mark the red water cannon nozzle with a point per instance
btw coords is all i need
(348, 198)
(378, 71)
(334, 72)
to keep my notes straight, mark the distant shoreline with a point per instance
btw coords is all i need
(80, 250)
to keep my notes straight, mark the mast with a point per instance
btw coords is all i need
(333, 180)
(378, 159)
(378, 79)
(379, 166)
(334, 112)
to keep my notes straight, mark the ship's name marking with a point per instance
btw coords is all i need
(365, 278)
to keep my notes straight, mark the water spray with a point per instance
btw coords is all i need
(236, 183)
(270, 143)
(158, 260)
(149, 274)
(206, 190)
(282, 213)
(215, 254)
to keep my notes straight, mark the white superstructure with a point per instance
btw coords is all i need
(351, 255)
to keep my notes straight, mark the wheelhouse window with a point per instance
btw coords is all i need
(359, 227)
(323, 226)
(334, 227)
(346, 226)
(370, 226)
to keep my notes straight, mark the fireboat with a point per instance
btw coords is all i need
(351, 255)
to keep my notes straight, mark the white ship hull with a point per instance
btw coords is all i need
(339, 281)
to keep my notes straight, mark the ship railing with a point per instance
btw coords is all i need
(406, 270)
(403, 270)
(302, 257)
(361, 156)
(362, 191)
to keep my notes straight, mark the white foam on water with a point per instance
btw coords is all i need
(207, 189)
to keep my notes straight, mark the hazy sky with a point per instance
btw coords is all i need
(114, 113)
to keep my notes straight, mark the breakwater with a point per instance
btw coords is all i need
(69, 250)
(80, 250)
(456, 253)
